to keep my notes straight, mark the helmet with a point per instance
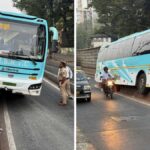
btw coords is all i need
(105, 68)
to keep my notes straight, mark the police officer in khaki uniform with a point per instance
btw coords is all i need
(62, 78)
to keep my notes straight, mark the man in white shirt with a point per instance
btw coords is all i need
(69, 76)
(105, 76)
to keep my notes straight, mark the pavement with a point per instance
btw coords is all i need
(119, 124)
(37, 123)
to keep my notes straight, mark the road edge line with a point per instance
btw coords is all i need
(46, 71)
(133, 99)
(10, 137)
(50, 83)
(54, 75)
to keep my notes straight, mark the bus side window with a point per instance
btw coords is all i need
(112, 52)
(136, 45)
(141, 44)
(41, 40)
(127, 50)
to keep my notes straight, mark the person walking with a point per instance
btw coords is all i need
(69, 77)
(62, 78)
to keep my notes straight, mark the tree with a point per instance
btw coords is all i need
(84, 33)
(119, 18)
(59, 13)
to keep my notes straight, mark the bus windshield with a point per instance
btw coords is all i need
(22, 40)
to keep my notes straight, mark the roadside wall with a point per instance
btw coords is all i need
(86, 58)
(69, 58)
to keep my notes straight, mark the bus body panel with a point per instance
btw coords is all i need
(126, 58)
(19, 74)
(126, 70)
(22, 73)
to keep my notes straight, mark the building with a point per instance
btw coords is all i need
(100, 40)
(86, 12)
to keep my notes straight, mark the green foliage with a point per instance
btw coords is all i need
(59, 13)
(84, 33)
(119, 18)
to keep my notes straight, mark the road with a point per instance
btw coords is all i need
(119, 124)
(39, 123)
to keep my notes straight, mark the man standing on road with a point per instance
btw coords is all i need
(62, 78)
(69, 77)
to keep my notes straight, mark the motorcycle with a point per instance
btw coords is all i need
(108, 88)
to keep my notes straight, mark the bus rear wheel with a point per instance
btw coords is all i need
(141, 84)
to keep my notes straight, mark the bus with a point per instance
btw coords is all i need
(128, 59)
(23, 51)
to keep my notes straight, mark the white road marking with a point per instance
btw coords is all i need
(51, 73)
(11, 141)
(52, 84)
(55, 76)
(133, 99)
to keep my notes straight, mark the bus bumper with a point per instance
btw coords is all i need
(22, 87)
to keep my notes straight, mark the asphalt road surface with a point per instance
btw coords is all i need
(118, 124)
(38, 123)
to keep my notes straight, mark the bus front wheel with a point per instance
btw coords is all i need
(141, 84)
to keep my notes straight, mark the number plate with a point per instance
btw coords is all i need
(9, 84)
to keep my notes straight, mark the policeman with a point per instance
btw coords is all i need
(62, 78)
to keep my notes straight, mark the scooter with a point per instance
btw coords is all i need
(108, 89)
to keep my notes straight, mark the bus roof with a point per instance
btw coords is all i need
(19, 15)
(128, 37)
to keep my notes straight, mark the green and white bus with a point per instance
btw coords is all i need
(128, 59)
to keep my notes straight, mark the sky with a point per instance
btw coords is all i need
(7, 5)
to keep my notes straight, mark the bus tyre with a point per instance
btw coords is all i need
(141, 84)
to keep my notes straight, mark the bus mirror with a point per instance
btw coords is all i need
(55, 39)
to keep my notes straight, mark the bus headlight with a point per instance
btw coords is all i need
(35, 86)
